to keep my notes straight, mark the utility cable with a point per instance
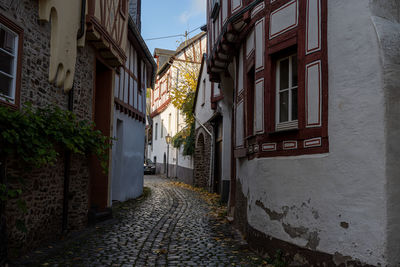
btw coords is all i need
(172, 36)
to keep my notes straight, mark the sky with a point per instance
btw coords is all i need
(162, 18)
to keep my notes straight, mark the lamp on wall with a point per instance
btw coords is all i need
(168, 139)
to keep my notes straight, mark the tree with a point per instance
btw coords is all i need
(182, 97)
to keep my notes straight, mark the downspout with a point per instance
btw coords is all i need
(67, 167)
(67, 153)
(3, 226)
(212, 151)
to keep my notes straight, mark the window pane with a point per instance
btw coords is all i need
(6, 86)
(131, 95)
(284, 74)
(294, 71)
(116, 86)
(121, 85)
(126, 87)
(7, 40)
(284, 106)
(294, 104)
(6, 63)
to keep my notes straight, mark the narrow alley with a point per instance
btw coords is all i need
(170, 227)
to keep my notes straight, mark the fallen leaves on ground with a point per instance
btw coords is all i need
(218, 211)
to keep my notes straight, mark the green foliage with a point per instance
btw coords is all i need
(185, 137)
(278, 259)
(32, 137)
(182, 96)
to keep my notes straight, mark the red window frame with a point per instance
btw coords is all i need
(294, 141)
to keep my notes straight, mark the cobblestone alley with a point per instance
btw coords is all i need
(171, 227)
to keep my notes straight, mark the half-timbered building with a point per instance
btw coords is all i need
(166, 118)
(131, 82)
(313, 125)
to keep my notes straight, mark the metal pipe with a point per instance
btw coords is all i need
(3, 226)
(212, 150)
(67, 153)
(67, 167)
(81, 30)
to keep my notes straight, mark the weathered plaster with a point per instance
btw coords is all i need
(347, 184)
(388, 31)
(65, 18)
(128, 155)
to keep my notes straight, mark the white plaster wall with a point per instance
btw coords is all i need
(203, 112)
(313, 195)
(388, 30)
(160, 146)
(225, 105)
(127, 158)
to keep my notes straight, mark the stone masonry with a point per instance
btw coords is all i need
(43, 189)
(202, 157)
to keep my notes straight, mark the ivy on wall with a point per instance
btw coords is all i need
(32, 135)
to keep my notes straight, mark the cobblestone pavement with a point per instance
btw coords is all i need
(172, 227)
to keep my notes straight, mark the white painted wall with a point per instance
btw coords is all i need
(203, 112)
(127, 157)
(317, 193)
(160, 145)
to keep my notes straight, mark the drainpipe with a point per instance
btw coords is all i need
(212, 151)
(67, 167)
(3, 229)
(67, 153)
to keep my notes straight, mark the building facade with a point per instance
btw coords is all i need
(131, 83)
(65, 53)
(213, 130)
(313, 87)
(166, 118)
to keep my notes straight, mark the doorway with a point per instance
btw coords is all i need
(99, 181)
(218, 156)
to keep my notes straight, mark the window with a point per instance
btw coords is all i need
(286, 93)
(9, 42)
(251, 107)
(162, 129)
(156, 132)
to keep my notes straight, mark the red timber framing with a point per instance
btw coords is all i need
(165, 78)
(106, 33)
(311, 134)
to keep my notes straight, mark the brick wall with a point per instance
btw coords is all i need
(43, 189)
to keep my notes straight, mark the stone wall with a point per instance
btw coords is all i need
(43, 189)
(201, 172)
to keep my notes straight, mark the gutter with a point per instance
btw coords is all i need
(212, 150)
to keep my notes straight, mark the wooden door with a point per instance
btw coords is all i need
(99, 181)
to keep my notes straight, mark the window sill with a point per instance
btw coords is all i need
(10, 105)
(287, 126)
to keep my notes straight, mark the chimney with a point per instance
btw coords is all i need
(135, 10)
